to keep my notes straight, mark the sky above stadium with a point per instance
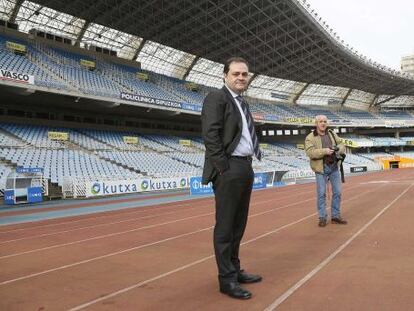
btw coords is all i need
(382, 30)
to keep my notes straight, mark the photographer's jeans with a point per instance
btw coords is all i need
(331, 173)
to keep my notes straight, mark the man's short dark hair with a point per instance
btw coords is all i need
(233, 60)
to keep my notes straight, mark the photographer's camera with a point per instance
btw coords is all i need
(338, 156)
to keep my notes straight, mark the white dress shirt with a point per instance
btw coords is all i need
(245, 146)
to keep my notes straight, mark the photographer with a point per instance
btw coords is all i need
(325, 151)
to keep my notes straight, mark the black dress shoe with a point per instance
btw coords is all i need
(339, 221)
(248, 278)
(234, 290)
(322, 222)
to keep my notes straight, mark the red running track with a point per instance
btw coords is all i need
(161, 257)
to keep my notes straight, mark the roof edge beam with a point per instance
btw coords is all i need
(195, 60)
(81, 33)
(15, 11)
(139, 49)
(372, 104)
(346, 97)
(385, 100)
(295, 99)
(251, 80)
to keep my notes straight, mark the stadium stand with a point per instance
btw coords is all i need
(373, 155)
(387, 141)
(179, 89)
(102, 154)
(60, 163)
(67, 66)
(59, 69)
(152, 163)
(395, 115)
(94, 154)
(358, 117)
(21, 63)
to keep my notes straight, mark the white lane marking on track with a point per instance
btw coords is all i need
(327, 260)
(144, 209)
(87, 304)
(150, 244)
(121, 221)
(140, 228)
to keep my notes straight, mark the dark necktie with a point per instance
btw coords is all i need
(250, 126)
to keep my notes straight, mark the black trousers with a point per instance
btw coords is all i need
(232, 192)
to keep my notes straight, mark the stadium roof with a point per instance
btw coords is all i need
(290, 49)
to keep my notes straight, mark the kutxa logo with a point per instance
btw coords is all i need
(102, 188)
(162, 184)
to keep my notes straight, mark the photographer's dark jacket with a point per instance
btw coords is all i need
(314, 150)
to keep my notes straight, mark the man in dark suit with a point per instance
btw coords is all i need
(231, 141)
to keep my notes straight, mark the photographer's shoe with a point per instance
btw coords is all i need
(322, 222)
(339, 221)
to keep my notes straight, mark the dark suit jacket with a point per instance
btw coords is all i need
(221, 130)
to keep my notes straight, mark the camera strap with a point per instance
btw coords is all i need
(341, 167)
